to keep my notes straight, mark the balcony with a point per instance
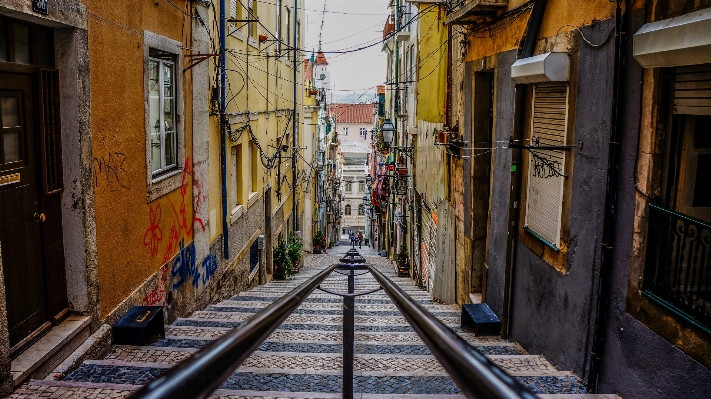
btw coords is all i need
(677, 273)
(473, 10)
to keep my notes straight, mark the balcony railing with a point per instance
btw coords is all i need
(677, 272)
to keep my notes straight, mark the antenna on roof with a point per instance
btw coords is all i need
(320, 32)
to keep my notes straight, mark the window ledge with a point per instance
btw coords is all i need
(236, 213)
(163, 184)
(253, 42)
(252, 198)
(237, 33)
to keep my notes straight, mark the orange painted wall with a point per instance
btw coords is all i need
(123, 216)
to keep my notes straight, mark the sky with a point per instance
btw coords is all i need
(349, 24)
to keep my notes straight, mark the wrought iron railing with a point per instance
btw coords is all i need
(677, 272)
(202, 373)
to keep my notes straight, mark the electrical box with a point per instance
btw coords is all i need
(260, 242)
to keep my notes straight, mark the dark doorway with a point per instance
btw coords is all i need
(482, 132)
(30, 183)
(268, 230)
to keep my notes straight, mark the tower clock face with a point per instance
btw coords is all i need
(322, 77)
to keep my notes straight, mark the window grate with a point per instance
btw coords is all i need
(50, 132)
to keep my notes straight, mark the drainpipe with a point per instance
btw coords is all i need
(223, 126)
(529, 45)
(608, 229)
(294, 121)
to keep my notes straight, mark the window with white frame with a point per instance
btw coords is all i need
(253, 168)
(361, 186)
(161, 105)
(361, 209)
(236, 189)
(235, 14)
(252, 8)
(349, 187)
(278, 24)
(544, 201)
(348, 210)
(363, 131)
(345, 130)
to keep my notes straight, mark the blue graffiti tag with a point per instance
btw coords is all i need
(206, 270)
(183, 265)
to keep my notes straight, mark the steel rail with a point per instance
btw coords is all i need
(474, 374)
(202, 373)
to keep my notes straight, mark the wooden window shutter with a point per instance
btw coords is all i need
(544, 203)
(50, 132)
(233, 176)
(249, 165)
(692, 90)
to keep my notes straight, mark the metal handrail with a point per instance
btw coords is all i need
(202, 373)
(474, 374)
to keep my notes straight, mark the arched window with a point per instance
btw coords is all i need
(361, 209)
(348, 209)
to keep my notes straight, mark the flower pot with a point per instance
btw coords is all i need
(401, 171)
(442, 137)
(391, 168)
(313, 92)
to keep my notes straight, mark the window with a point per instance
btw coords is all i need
(363, 132)
(254, 158)
(161, 104)
(544, 202)
(164, 137)
(236, 191)
(361, 209)
(349, 187)
(361, 186)
(345, 130)
(288, 26)
(348, 210)
(278, 25)
(252, 8)
(235, 13)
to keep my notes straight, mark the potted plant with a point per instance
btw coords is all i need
(283, 266)
(402, 260)
(318, 241)
(294, 246)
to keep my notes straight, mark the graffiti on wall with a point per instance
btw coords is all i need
(185, 268)
(153, 235)
(157, 295)
(110, 172)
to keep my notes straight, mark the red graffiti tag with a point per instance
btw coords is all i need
(157, 295)
(153, 235)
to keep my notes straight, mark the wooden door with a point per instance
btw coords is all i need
(20, 233)
(30, 217)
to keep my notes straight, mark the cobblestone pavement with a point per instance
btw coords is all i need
(302, 358)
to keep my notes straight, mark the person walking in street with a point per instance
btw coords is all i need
(352, 238)
(360, 239)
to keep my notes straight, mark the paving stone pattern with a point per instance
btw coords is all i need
(303, 357)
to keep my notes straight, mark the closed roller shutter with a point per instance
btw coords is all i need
(545, 173)
(692, 90)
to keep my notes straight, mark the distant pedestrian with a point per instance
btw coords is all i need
(360, 239)
(352, 238)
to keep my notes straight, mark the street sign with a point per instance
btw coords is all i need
(40, 6)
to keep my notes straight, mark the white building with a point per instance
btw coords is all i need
(353, 160)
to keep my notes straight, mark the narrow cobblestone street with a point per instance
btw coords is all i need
(302, 359)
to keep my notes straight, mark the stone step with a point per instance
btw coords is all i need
(359, 311)
(382, 365)
(141, 373)
(198, 322)
(339, 305)
(329, 319)
(316, 335)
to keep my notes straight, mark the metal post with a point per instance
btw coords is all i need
(223, 127)
(294, 122)
(348, 337)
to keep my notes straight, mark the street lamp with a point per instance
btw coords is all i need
(388, 129)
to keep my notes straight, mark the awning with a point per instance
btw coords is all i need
(548, 67)
(684, 40)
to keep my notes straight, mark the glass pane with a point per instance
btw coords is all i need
(10, 112)
(43, 47)
(154, 114)
(11, 142)
(22, 43)
(168, 114)
(153, 78)
(169, 149)
(168, 80)
(3, 40)
(155, 152)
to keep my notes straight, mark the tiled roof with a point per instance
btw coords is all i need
(321, 59)
(352, 113)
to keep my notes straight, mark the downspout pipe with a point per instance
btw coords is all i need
(294, 121)
(609, 221)
(223, 127)
(529, 45)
